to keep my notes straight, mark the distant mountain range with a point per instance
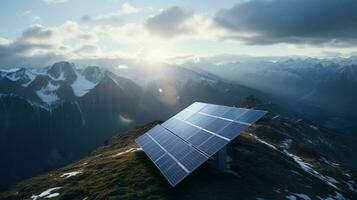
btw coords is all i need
(54, 115)
(320, 90)
(279, 157)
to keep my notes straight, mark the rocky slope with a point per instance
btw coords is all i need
(280, 157)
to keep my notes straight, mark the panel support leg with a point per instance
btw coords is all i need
(220, 159)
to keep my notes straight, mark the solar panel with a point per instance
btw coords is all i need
(188, 139)
(174, 157)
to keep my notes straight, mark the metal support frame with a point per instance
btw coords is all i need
(220, 159)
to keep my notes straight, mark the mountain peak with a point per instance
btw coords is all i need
(63, 71)
(93, 74)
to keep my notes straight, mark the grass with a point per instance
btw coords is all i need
(263, 173)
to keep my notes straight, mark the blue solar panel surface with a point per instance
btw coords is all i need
(174, 157)
(188, 139)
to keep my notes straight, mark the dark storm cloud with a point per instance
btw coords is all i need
(318, 22)
(170, 22)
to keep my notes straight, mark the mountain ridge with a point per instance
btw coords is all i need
(272, 160)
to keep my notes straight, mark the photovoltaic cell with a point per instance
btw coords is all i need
(173, 156)
(185, 141)
(232, 130)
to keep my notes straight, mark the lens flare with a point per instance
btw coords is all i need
(125, 119)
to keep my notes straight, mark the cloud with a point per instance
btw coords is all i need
(54, 1)
(69, 27)
(37, 33)
(318, 22)
(29, 15)
(127, 8)
(113, 17)
(27, 12)
(88, 50)
(88, 37)
(41, 45)
(170, 22)
(4, 41)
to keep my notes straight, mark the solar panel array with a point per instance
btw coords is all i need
(188, 139)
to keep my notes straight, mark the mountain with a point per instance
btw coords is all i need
(320, 90)
(59, 116)
(178, 87)
(62, 112)
(279, 157)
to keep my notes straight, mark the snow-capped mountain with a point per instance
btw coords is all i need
(20, 76)
(323, 90)
(53, 116)
(61, 82)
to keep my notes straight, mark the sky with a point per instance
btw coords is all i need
(40, 32)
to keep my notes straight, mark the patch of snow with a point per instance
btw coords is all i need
(9, 70)
(314, 127)
(34, 105)
(262, 141)
(60, 77)
(297, 121)
(127, 151)
(308, 168)
(12, 77)
(351, 185)
(328, 162)
(122, 67)
(46, 193)
(337, 196)
(291, 197)
(52, 195)
(47, 94)
(275, 117)
(82, 86)
(70, 174)
(287, 143)
(303, 196)
(31, 76)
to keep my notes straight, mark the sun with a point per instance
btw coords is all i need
(155, 54)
